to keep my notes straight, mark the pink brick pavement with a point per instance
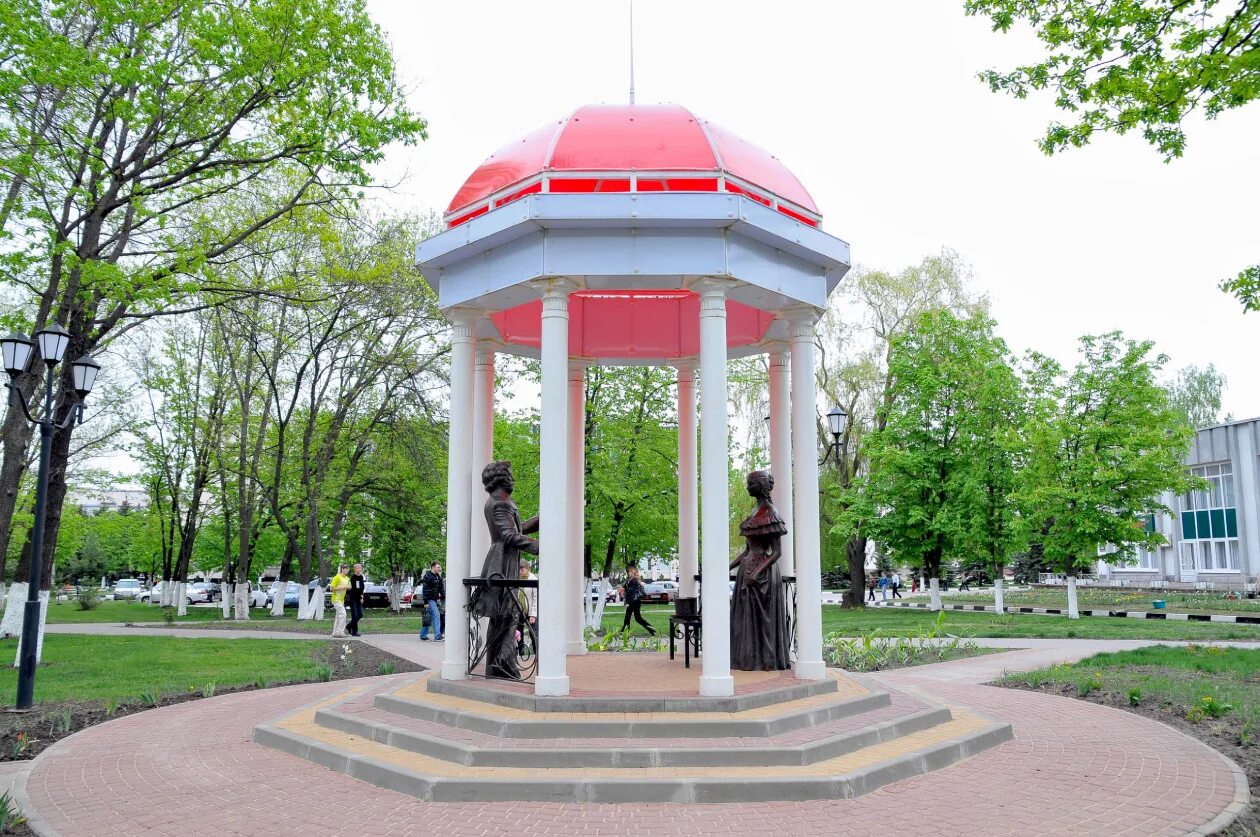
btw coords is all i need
(1073, 769)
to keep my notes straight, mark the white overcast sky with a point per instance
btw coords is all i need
(876, 108)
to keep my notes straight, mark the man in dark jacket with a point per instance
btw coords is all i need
(432, 592)
(354, 600)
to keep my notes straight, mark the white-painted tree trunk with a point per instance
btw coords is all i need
(164, 595)
(600, 599)
(277, 601)
(305, 600)
(242, 602)
(1073, 613)
(39, 643)
(395, 596)
(14, 609)
(317, 604)
(4, 602)
(181, 598)
(999, 603)
(935, 586)
(225, 602)
(588, 609)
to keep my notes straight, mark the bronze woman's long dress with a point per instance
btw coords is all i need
(759, 625)
(507, 541)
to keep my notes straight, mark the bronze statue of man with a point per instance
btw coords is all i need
(759, 625)
(507, 542)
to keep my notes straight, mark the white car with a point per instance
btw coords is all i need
(128, 588)
(189, 593)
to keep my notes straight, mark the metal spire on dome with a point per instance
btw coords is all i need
(632, 52)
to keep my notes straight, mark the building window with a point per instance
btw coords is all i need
(1221, 554)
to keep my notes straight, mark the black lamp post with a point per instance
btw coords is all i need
(16, 351)
(836, 419)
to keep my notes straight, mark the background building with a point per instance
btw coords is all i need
(1213, 536)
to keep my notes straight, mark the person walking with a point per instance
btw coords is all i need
(432, 593)
(883, 586)
(339, 585)
(896, 585)
(354, 599)
(870, 588)
(634, 601)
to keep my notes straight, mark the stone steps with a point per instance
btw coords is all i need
(839, 741)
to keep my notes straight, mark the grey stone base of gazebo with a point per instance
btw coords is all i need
(444, 741)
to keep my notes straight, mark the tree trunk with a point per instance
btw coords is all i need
(14, 610)
(242, 602)
(934, 584)
(600, 599)
(225, 601)
(1073, 613)
(181, 598)
(855, 553)
(17, 433)
(999, 603)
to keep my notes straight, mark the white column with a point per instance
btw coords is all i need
(809, 660)
(482, 453)
(781, 450)
(553, 509)
(576, 505)
(688, 491)
(715, 678)
(458, 467)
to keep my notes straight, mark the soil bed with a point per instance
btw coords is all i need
(26, 735)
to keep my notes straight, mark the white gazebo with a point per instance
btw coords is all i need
(634, 234)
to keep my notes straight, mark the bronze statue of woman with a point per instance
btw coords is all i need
(507, 542)
(759, 625)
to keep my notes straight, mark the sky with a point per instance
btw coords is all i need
(876, 107)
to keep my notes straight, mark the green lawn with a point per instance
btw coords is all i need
(898, 622)
(1115, 600)
(125, 611)
(1163, 675)
(81, 667)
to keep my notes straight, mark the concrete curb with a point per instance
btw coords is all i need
(531, 703)
(1062, 611)
(1242, 798)
(717, 728)
(634, 757)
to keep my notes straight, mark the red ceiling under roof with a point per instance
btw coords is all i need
(600, 147)
(633, 324)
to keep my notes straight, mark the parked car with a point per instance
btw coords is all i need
(374, 595)
(663, 592)
(155, 593)
(257, 596)
(128, 588)
(291, 591)
(612, 594)
(214, 592)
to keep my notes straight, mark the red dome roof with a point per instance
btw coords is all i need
(631, 148)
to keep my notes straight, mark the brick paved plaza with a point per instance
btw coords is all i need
(1071, 768)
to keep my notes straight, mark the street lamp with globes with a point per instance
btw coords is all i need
(17, 351)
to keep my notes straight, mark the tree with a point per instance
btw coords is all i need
(1122, 65)
(142, 143)
(1132, 64)
(1196, 393)
(933, 485)
(1103, 443)
(855, 340)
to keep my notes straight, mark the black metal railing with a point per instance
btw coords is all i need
(515, 607)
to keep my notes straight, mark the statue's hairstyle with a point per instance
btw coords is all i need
(762, 481)
(495, 474)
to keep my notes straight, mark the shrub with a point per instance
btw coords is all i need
(1135, 696)
(87, 598)
(385, 668)
(1213, 707)
(324, 673)
(207, 691)
(1084, 687)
